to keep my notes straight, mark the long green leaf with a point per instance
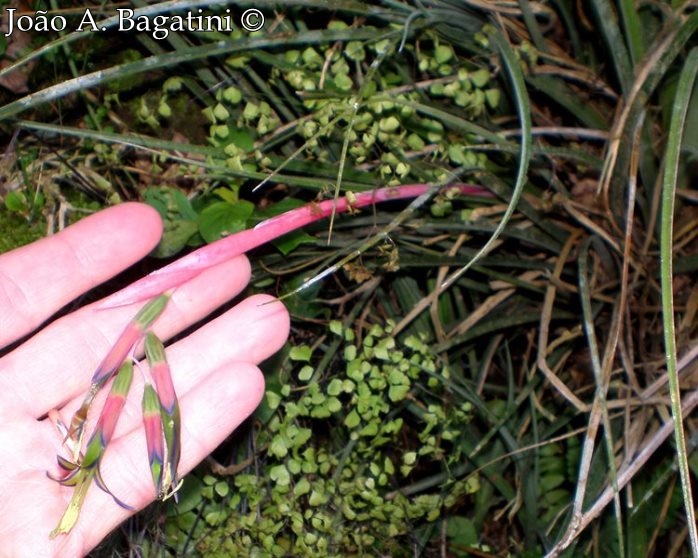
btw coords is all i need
(617, 50)
(671, 168)
(599, 411)
(191, 54)
(523, 108)
(351, 6)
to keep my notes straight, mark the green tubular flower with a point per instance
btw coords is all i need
(169, 415)
(85, 469)
(152, 421)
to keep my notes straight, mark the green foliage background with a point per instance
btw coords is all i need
(398, 422)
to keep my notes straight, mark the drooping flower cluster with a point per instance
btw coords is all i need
(160, 417)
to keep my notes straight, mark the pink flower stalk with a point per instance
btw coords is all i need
(189, 266)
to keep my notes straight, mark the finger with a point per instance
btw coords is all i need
(251, 332)
(57, 364)
(39, 279)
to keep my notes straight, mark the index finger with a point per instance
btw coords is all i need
(39, 279)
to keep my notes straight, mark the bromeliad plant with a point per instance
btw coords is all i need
(161, 415)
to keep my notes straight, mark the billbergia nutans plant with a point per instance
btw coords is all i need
(568, 358)
(161, 414)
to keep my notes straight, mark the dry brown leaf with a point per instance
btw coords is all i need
(17, 44)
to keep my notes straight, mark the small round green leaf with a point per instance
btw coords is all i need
(222, 219)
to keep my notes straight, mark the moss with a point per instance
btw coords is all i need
(15, 231)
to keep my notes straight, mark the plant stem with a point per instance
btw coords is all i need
(189, 266)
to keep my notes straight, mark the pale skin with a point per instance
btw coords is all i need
(214, 372)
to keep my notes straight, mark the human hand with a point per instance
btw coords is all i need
(214, 371)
